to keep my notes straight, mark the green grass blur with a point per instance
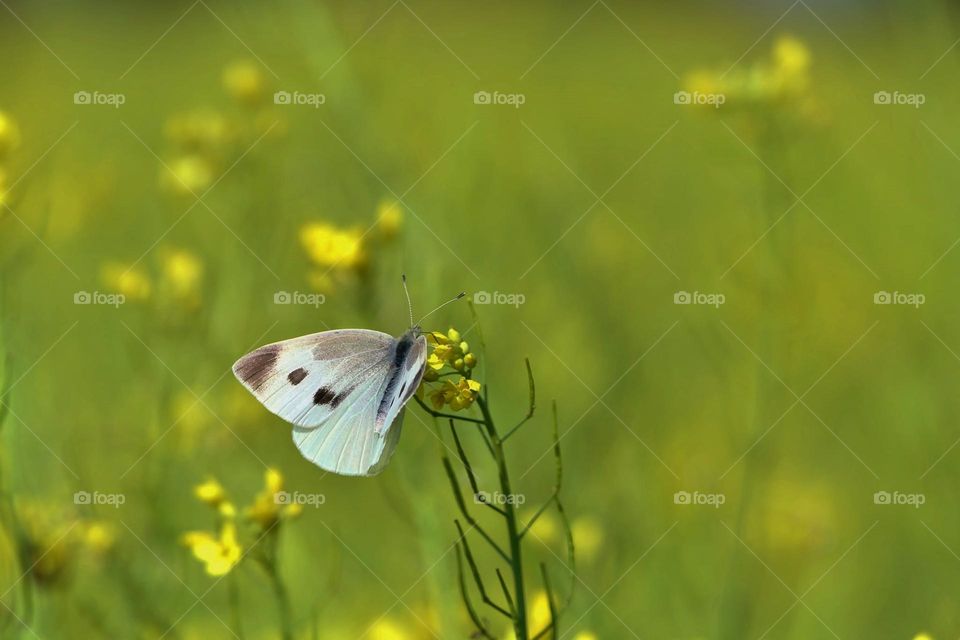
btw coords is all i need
(597, 200)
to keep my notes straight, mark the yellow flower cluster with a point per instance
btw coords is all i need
(784, 76)
(329, 246)
(221, 552)
(178, 286)
(451, 352)
(267, 508)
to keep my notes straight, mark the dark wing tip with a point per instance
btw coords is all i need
(257, 366)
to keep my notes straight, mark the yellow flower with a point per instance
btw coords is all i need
(182, 275)
(331, 247)
(923, 636)
(386, 629)
(546, 529)
(449, 349)
(585, 635)
(130, 281)
(457, 396)
(99, 536)
(210, 492)
(245, 82)
(9, 135)
(587, 537)
(218, 554)
(188, 175)
(389, 218)
(269, 505)
(791, 56)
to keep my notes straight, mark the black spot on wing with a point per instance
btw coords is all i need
(297, 375)
(326, 395)
(255, 368)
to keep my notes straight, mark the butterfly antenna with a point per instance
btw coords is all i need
(403, 278)
(459, 295)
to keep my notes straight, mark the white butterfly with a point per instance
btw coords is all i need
(343, 390)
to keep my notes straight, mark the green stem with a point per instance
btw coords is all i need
(279, 589)
(510, 515)
(233, 594)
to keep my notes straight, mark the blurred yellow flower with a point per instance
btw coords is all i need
(271, 505)
(181, 277)
(188, 175)
(245, 82)
(785, 75)
(386, 629)
(587, 537)
(922, 636)
(218, 554)
(331, 247)
(99, 537)
(585, 635)
(130, 281)
(546, 529)
(9, 135)
(538, 615)
(210, 492)
(389, 218)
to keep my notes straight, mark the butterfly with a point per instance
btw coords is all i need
(343, 390)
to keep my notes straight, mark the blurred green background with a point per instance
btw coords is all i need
(800, 199)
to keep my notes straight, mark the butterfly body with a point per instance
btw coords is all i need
(343, 390)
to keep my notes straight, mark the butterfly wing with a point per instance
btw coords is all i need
(359, 438)
(306, 379)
